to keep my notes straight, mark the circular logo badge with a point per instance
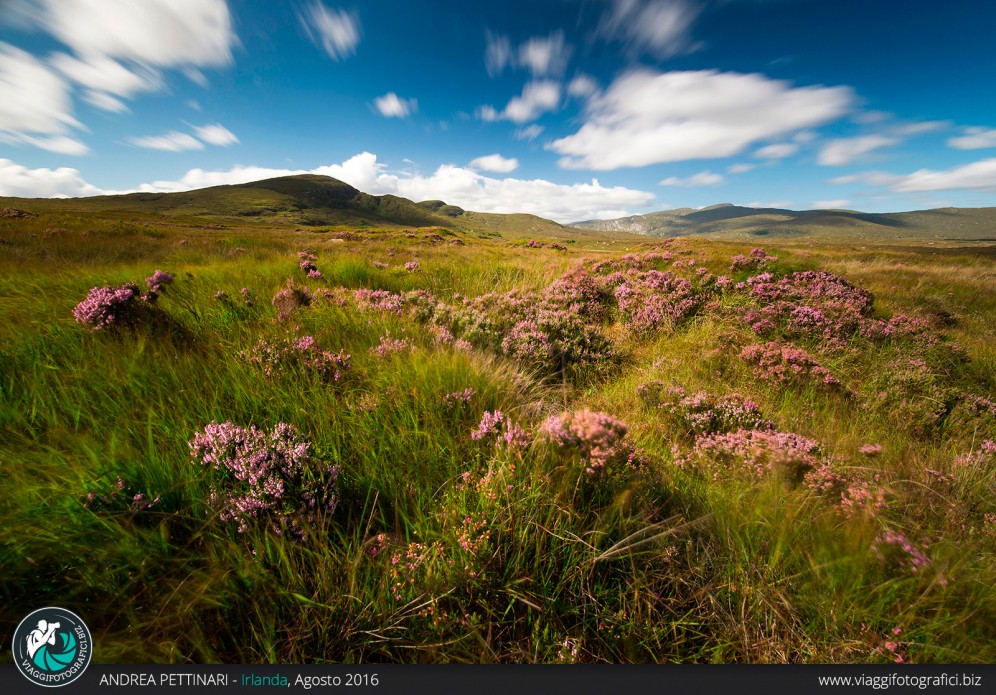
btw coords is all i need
(52, 647)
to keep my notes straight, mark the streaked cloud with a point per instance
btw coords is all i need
(843, 151)
(647, 117)
(216, 134)
(392, 106)
(974, 139)
(537, 98)
(661, 28)
(540, 55)
(172, 141)
(337, 32)
(703, 178)
(495, 163)
(779, 150)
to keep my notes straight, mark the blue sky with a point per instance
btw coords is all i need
(570, 109)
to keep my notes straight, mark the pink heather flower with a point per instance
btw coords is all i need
(246, 296)
(871, 449)
(895, 550)
(291, 297)
(158, 280)
(220, 296)
(984, 457)
(109, 307)
(411, 266)
(380, 265)
(599, 438)
(456, 397)
(302, 355)
(378, 300)
(389, 345)
(755, 454)
(783, 363)
(703, 413)
(497, 426)
(264, 478)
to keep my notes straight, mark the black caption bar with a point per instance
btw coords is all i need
(393, 679)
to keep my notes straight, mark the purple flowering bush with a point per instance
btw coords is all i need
(290, 298)
(265, 479)
(703, 413)
(782, 364)
(753, 455)
(298, 355)
(108, 308)
(757, 259)
(120, 497)
(653, 300)
(599, 440)
(499, 428)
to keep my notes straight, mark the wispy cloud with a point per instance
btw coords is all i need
(495, 163)
(537, 98)
(392, 106)
(975, 176)
(703, 178)
(172, 141)
(974, 139)
(659, 27)
(779, 150)
(843, 151)
(646, 117)
(541, 55)
(216, 134)
(336, 31)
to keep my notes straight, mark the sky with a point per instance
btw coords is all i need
(568, 109)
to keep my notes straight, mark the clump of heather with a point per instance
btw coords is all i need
(121, 497)
(973, 414)
(754, 455)
(158, 280)
(785, 364)
(896, 552)
(533, 244)
(298, 355)
(598, 439)
(268, 480)
(983, 457)
(870, 450)
(757, 259)
(915, 329)
(411, 266)
(247, 297)
(456, 398)
(806, 304)
(862, 498)
(655, 300)
(290, 298)
(108, 308)
(389, 346)
(497, 427)
(379, 300)
(703, 413)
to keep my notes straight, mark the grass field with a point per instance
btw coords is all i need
(610, 451)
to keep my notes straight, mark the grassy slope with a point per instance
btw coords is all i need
(762, 574)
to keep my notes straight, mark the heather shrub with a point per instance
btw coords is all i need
(265, 480)
(297, 356)
(120, 497)
(703, 413)
(290, 298)
(389, 346)
(655, 300)
(753, 455)
(786, 364)
(757, 259)
(597, 439)
(499, 428)
(108, 308)
(897, 553)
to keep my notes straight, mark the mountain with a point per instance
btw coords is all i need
(306, 200)
(728, 221)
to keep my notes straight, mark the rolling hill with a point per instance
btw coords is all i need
(735, 222)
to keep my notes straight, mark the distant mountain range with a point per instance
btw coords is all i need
(727, 221)
(305, 200)
(310, 200)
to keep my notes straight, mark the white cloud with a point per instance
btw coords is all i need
(845, 150)
(541, 55)
(336, 31)
(392, 106)
(530, 132)
(974, 139)
(216, 134)
(545, 56)
(976, 176)
(537, 98)
(497, 54)
(21, 182)
(660, 27)
(166, 33)
(779, 204)
(646, 117)
(105, 75)
(582, 86)
(168, 142)
(105, 102)
(979, 175)
(740, 168)
(703, 178)
(778, 150)
(461, 186)
(496, 163)
(839, 204)
(35, 104)
(197, 77)
(918, 128)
